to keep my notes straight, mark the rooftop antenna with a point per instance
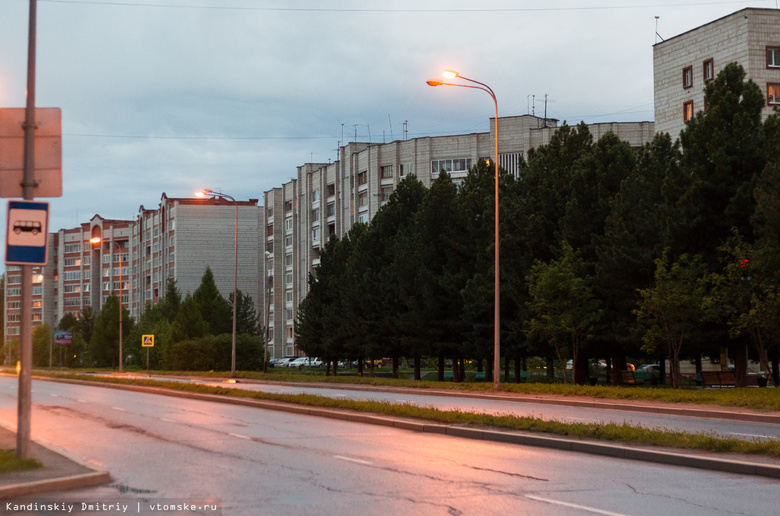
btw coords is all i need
(391, 127)
(406, 129)
(657, 36)
(533, 105)
(545, 110)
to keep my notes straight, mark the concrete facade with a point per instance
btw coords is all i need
(747, 37)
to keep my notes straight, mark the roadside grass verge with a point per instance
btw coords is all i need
(10, 462)
(766, 400)
(624, 433)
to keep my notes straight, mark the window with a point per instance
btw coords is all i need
(13, 318)
(72, 261)
(37, 291)
(288, 225)
(288, 314)
(773, 57)
(70, 289)
(72, 275)
(332, 190)
(37, 304)
(315, 215)
(384, 194)
(450, 165)
(330, 211)
(386, 172)
(315, 235)
(363, 199)
(288, 278)
(315, 196)
(405, 169)
(287, 206)
(687, 77)
(14, 280)
(363, 178)
(270, 212)
(13, 292)
(363, 218)
(288, 241)
(72, 248)
(288, 296)
(773, 94)
(14, 304)
(708, 70)
(288, 260)
(687, 111)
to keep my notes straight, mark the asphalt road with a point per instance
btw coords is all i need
(725, 428)
(167, 450)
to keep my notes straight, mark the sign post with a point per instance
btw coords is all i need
(147, 341)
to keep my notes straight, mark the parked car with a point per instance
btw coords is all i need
(649, 368)
(282, 362)
(298, 362)
(315, 362)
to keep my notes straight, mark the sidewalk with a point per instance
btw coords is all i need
(57, 474)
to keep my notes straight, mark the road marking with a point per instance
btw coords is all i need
(119, 408)
(82, 401)
(752, 435)
(349, 459)
(573, 506)
(54, 395)
(167, 420)
(241, 436)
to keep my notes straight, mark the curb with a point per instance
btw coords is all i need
(56, 484)
(526, 439)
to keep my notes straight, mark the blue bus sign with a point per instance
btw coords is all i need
(27, 233)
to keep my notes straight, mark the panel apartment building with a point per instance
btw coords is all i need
(329, 198)
(178, 239)
(682, 65)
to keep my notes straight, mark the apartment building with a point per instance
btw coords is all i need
(684, 64)
(329, 198)
(179, 238)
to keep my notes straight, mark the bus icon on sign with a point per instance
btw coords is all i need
(29, 226)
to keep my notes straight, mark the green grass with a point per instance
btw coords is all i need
(10, 462)
(605, 432)
(766, 400)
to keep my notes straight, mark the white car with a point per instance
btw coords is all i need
(298, 362)
(282, 362)
(315, 362)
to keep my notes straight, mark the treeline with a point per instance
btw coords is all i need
(606, 252)
(190, 334)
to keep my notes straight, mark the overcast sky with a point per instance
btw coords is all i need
(176, 95)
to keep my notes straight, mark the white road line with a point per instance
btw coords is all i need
(573, 506)
(752, 435)
(241, 436)
(119, 408)
(167, 420)
(349, 459)
(82, 401)
(54, 395)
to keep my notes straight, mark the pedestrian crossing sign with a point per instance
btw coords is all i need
(148, 341)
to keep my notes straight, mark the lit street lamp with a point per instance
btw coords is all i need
(213, 193)
(496, 330)
(97, 240)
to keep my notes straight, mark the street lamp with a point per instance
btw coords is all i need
(97, 240)
(214, 193)
(496, 330)
(267, 312)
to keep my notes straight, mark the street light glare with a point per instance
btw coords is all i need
(95, 240)
(449, 74)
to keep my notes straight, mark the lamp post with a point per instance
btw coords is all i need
(497, 327)
(97, 240)
(267, 312)
(214, 193)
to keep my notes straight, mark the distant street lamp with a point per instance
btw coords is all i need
(213, 193)
(97, 240)
(267, 313)
(496, 330)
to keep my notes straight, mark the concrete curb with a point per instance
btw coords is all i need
(707, 462)
(96, 478)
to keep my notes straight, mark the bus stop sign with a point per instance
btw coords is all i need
(27, 233)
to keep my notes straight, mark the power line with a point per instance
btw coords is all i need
(390, 10)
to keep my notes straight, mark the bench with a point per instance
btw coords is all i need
(718, 378)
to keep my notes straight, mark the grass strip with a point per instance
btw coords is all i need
(10, 462)
(624, 432)
(764, 400)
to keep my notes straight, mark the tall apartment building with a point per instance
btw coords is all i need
(178, 239)
(683, 64)
(329, 198)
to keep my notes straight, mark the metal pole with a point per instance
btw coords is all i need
(267, 311)
(28, 184)
(235, 301)
(121, 357)
(496, 288)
